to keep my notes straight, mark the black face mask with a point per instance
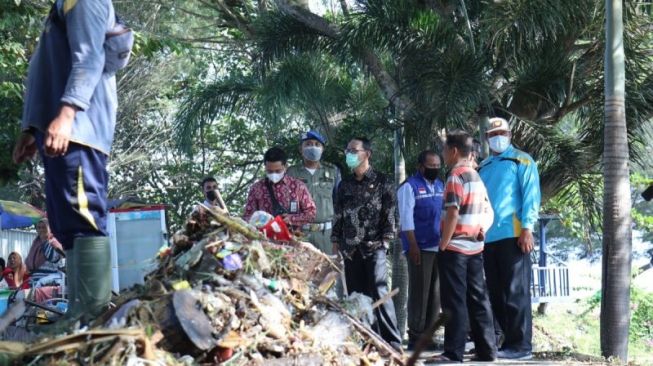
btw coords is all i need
(211, 196)
(431, 173)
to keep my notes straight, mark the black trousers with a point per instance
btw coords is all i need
(508, 276)
(465, 301)
(369, 276)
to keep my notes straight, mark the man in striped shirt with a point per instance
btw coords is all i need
(463, 291)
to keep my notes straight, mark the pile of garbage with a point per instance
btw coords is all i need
(225, 294)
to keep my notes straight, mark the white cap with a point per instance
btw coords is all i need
(498, 124)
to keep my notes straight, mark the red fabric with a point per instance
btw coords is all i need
(287, 190)
(276, 229)
(41, 294)
(8, 275)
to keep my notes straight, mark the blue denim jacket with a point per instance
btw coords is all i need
(68, 67)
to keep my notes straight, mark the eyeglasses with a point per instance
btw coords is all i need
(353, 151)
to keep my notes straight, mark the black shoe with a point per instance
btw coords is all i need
(515, 355)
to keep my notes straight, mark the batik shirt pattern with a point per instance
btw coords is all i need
(364, 213)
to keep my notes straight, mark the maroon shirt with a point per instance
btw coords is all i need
(290, 192)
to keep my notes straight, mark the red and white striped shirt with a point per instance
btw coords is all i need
(465, 191)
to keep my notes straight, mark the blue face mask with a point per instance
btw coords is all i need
(499, 144)
(352, 160)
(312, 153)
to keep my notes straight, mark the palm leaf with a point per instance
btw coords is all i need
(233, 95)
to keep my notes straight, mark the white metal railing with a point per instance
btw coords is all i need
(550, 284)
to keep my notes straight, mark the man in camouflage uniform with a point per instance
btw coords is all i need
(322, 179)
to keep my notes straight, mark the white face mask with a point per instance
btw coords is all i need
(499, 144)
(275, 177)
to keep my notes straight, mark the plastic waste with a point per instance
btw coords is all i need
(272, 284)
(119, 318)
(331, 331)
(277, 230)
(258, 255)
(232, 262)
(360, 306)
(260, 218)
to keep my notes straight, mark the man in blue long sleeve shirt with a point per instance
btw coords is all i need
(420, 205)
(69, 117)
(513, 185)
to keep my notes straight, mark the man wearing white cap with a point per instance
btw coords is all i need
(513, 185)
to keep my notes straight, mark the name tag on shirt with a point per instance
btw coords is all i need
(294, 207)
(421, 190)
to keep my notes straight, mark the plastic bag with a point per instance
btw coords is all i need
(360, 307)
(331, 331)
(260, 218)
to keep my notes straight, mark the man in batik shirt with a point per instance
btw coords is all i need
(364, 227)
(279, 194)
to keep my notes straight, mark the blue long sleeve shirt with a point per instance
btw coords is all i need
(68, 67)
(513, 185)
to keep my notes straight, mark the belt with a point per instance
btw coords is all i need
(317, 226)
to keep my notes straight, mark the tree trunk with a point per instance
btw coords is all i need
(399, 265)
(617, 235)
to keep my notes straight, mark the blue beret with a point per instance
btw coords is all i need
(312, 134)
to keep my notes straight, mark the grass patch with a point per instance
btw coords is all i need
(573, 328)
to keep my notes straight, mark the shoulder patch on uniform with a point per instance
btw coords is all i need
(68, 5)
(523, 157)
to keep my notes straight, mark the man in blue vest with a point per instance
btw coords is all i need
(420, 204)
(513, 185)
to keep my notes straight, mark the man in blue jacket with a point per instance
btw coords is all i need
(69, 116)
(420, 204)
(513, 185)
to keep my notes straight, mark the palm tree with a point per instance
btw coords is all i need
(617, 235)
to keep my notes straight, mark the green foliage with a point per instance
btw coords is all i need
(19, 27)
(642, 212)
(586, 225)
(641, 321)
(641, 316)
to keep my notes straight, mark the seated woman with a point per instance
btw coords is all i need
(16, 274)
(42, 262)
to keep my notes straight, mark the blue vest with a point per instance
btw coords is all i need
(426, 214)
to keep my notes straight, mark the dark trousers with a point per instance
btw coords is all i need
(76, 192)
(465, 301)
(423, 294)
(369, 275)
(508, 276)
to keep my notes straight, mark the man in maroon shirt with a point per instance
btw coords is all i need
(280, 194)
